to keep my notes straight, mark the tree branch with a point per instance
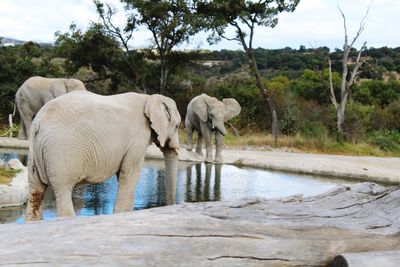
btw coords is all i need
(355, 71)
(332, 91)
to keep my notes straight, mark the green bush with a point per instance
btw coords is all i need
(314, 129)
(386, 140)
(357, 120)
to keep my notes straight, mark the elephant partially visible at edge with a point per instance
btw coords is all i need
(37, 91)
(82, 137)
(206, 114)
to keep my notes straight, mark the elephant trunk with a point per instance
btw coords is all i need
(220, 127)
(174, 142)
(171, 172)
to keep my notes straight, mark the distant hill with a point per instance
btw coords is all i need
(7, 41)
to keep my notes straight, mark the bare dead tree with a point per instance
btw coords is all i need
(346, 81)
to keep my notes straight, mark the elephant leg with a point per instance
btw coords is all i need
(199, 145)
(27, 127)
(207, 135)
(218, 147)
(26, 115)
(65, 207)
(22, 132)
(128, 177)
(189, 135)
(35, 200)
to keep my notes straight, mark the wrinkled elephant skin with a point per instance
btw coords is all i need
(85, 137)
(37, 91)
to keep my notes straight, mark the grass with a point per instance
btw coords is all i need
(5, 131)
(298, 143)
(7, 174)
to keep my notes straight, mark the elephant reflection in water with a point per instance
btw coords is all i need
(199, 189)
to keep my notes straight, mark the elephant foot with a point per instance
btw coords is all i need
(218, 159)
(189, 148)
(209, 160)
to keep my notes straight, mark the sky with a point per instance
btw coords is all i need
(314, 23)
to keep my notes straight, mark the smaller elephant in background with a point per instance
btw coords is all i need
(205, 115)
(37, 91)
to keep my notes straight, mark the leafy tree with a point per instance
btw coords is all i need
(171, 24)
(244, 16)
(100, 52)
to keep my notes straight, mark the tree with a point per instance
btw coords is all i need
(100, 52)
(346, 81)
(106, 13)
(171, 24)
(244, 16)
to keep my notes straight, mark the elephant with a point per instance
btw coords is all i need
(82, 137)
(206, 114)
(37, 91)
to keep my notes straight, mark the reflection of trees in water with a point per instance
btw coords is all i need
(203, 182)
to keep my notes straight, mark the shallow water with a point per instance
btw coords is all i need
(195, 183)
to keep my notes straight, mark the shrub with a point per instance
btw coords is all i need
(314, 129)
(357, 120)
(386, 140)
(393, 110)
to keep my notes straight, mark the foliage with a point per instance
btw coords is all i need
(100, 53)
(376, 92)
(6, 175)
(13, 130)
(357, 120)
(386, 140)
(244, 16)
(294, 77)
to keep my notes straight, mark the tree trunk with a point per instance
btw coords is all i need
(163, 76)
(266, 94)
(340, 118)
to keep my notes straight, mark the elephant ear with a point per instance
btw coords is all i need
(200, 107)
(232, 108)
(73, 85)
(159, 114)
(58, 88)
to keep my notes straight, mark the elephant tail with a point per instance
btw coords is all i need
(36, 166)
(15, 109)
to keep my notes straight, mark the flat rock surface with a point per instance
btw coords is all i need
(253, 232)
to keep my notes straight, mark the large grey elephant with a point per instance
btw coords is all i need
(206, 114)
(37, 91)
(85, 137)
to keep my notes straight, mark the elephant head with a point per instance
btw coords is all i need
(216, 112)
(164, 121)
